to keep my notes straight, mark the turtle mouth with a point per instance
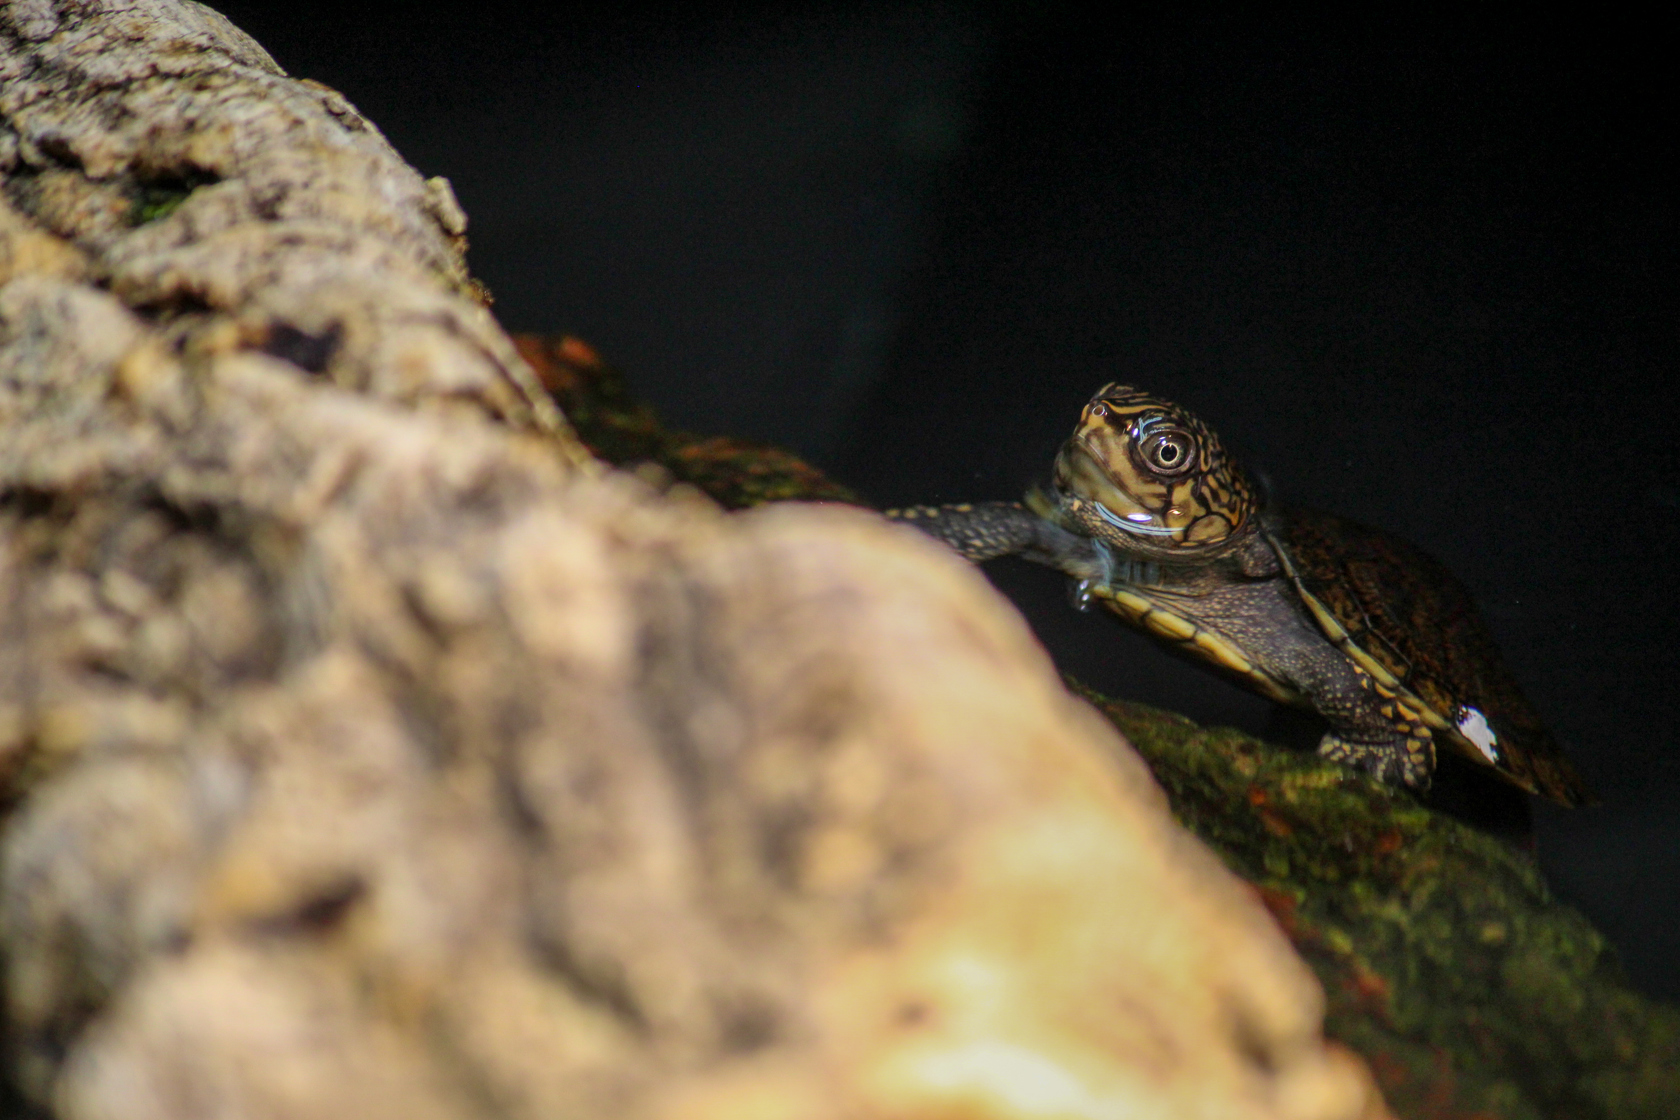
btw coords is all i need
(1090, 489)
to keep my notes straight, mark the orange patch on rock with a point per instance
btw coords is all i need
(578, 352)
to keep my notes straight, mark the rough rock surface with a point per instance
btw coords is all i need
(367, 750)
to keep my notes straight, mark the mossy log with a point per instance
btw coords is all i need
(369, 748)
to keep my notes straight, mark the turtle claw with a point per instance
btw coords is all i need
(1082, 594)
(1397, 761)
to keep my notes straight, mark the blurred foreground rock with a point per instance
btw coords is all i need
(369, 750)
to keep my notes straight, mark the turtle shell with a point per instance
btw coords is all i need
(1415, 630)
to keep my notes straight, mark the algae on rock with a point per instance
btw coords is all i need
(1446, 961)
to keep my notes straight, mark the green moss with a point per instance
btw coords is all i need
(155, 201)
(1473, 994)
(162, 192)
(1447, 963)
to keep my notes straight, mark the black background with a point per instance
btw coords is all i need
(1421, 273)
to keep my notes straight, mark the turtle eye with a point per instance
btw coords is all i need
(1168, 450)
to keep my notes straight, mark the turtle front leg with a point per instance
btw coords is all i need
(1371, 728)
(982, 531)
(1406, 758)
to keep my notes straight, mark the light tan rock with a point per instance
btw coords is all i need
(371, 751)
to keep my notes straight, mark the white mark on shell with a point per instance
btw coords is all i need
(1473, 725)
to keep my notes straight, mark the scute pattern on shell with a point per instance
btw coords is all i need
(1412, 616)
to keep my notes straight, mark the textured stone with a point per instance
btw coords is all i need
(368, 749)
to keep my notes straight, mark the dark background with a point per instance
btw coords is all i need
(1418, 273)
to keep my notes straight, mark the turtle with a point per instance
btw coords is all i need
(1151, 518)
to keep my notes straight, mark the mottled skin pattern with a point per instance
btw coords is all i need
(1153, 519)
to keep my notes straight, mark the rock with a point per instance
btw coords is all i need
(1448, 964)
(369, 749)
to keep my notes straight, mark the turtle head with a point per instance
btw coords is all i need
(1148, 478)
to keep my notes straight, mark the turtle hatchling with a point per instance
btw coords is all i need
(1152, 519)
